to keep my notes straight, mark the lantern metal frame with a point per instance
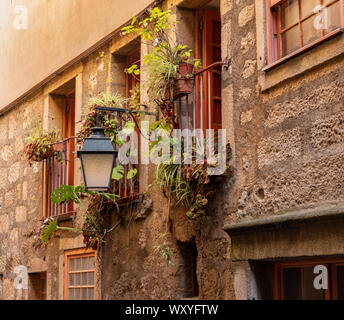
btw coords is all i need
(98, 143)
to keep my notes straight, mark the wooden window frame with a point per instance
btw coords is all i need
(80, 253)
(203, 51)
(273, 32)
(330, 263)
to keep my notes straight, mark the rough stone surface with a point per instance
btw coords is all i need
(246, 117)
(249, 68)
(245, 15)
(20, 214)
(281, 147)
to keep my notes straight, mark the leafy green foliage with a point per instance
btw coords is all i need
(188, 184)
(93, 229)
(40, 144)
(108, 100)
(132, 173)
(48, 231)
(66, 193)
(118, 172)
(164, 249)
(165, 56)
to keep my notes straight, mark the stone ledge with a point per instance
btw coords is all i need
(297, 216)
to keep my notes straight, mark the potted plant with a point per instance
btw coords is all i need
(184, 83)
(170, 66)
(41, 145)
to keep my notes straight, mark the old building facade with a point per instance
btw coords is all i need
(279, 96)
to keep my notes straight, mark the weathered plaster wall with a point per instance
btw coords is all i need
(51, 37)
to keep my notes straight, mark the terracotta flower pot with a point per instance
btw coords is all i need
(185, 69)
(182, 87)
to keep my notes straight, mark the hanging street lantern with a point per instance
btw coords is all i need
(97, 160)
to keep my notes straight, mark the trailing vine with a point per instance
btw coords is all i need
(189, 185)
(93, 228)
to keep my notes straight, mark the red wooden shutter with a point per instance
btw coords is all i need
(69, 132)
(212, 79)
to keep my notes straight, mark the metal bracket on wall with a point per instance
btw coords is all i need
(228, 62)
(131, 112)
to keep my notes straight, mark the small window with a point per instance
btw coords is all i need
(296, 25)
(38, 286)
(80, 270)
(296, 280)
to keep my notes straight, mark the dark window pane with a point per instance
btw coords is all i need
(90, 294)
(71, 279)
(84, 279)
(71, 264)
(310, 292)
(340, 282)
(78, 264)
(84, 294)
(84, 263)
(91, 278)
(217, 32)
(77, 294)
(217, 56)
(217, 85)
(217, 112)
(292, 284)
(71, 294)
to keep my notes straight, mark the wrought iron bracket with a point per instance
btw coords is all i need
(131, 112)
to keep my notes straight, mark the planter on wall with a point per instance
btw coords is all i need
(183, 85)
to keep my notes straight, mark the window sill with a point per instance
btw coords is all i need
(302, 50)
(300, 62)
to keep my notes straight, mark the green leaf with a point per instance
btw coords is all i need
(118, 172)
(131, 173)
(62, 194)
(48, 230)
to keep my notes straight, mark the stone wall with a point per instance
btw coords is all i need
(288, 127)
(285, 127)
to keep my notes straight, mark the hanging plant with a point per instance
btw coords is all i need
(42, 145)
(189, 185)
(93, 229)
(169, 64)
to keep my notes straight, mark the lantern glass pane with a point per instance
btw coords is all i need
(97, 170)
